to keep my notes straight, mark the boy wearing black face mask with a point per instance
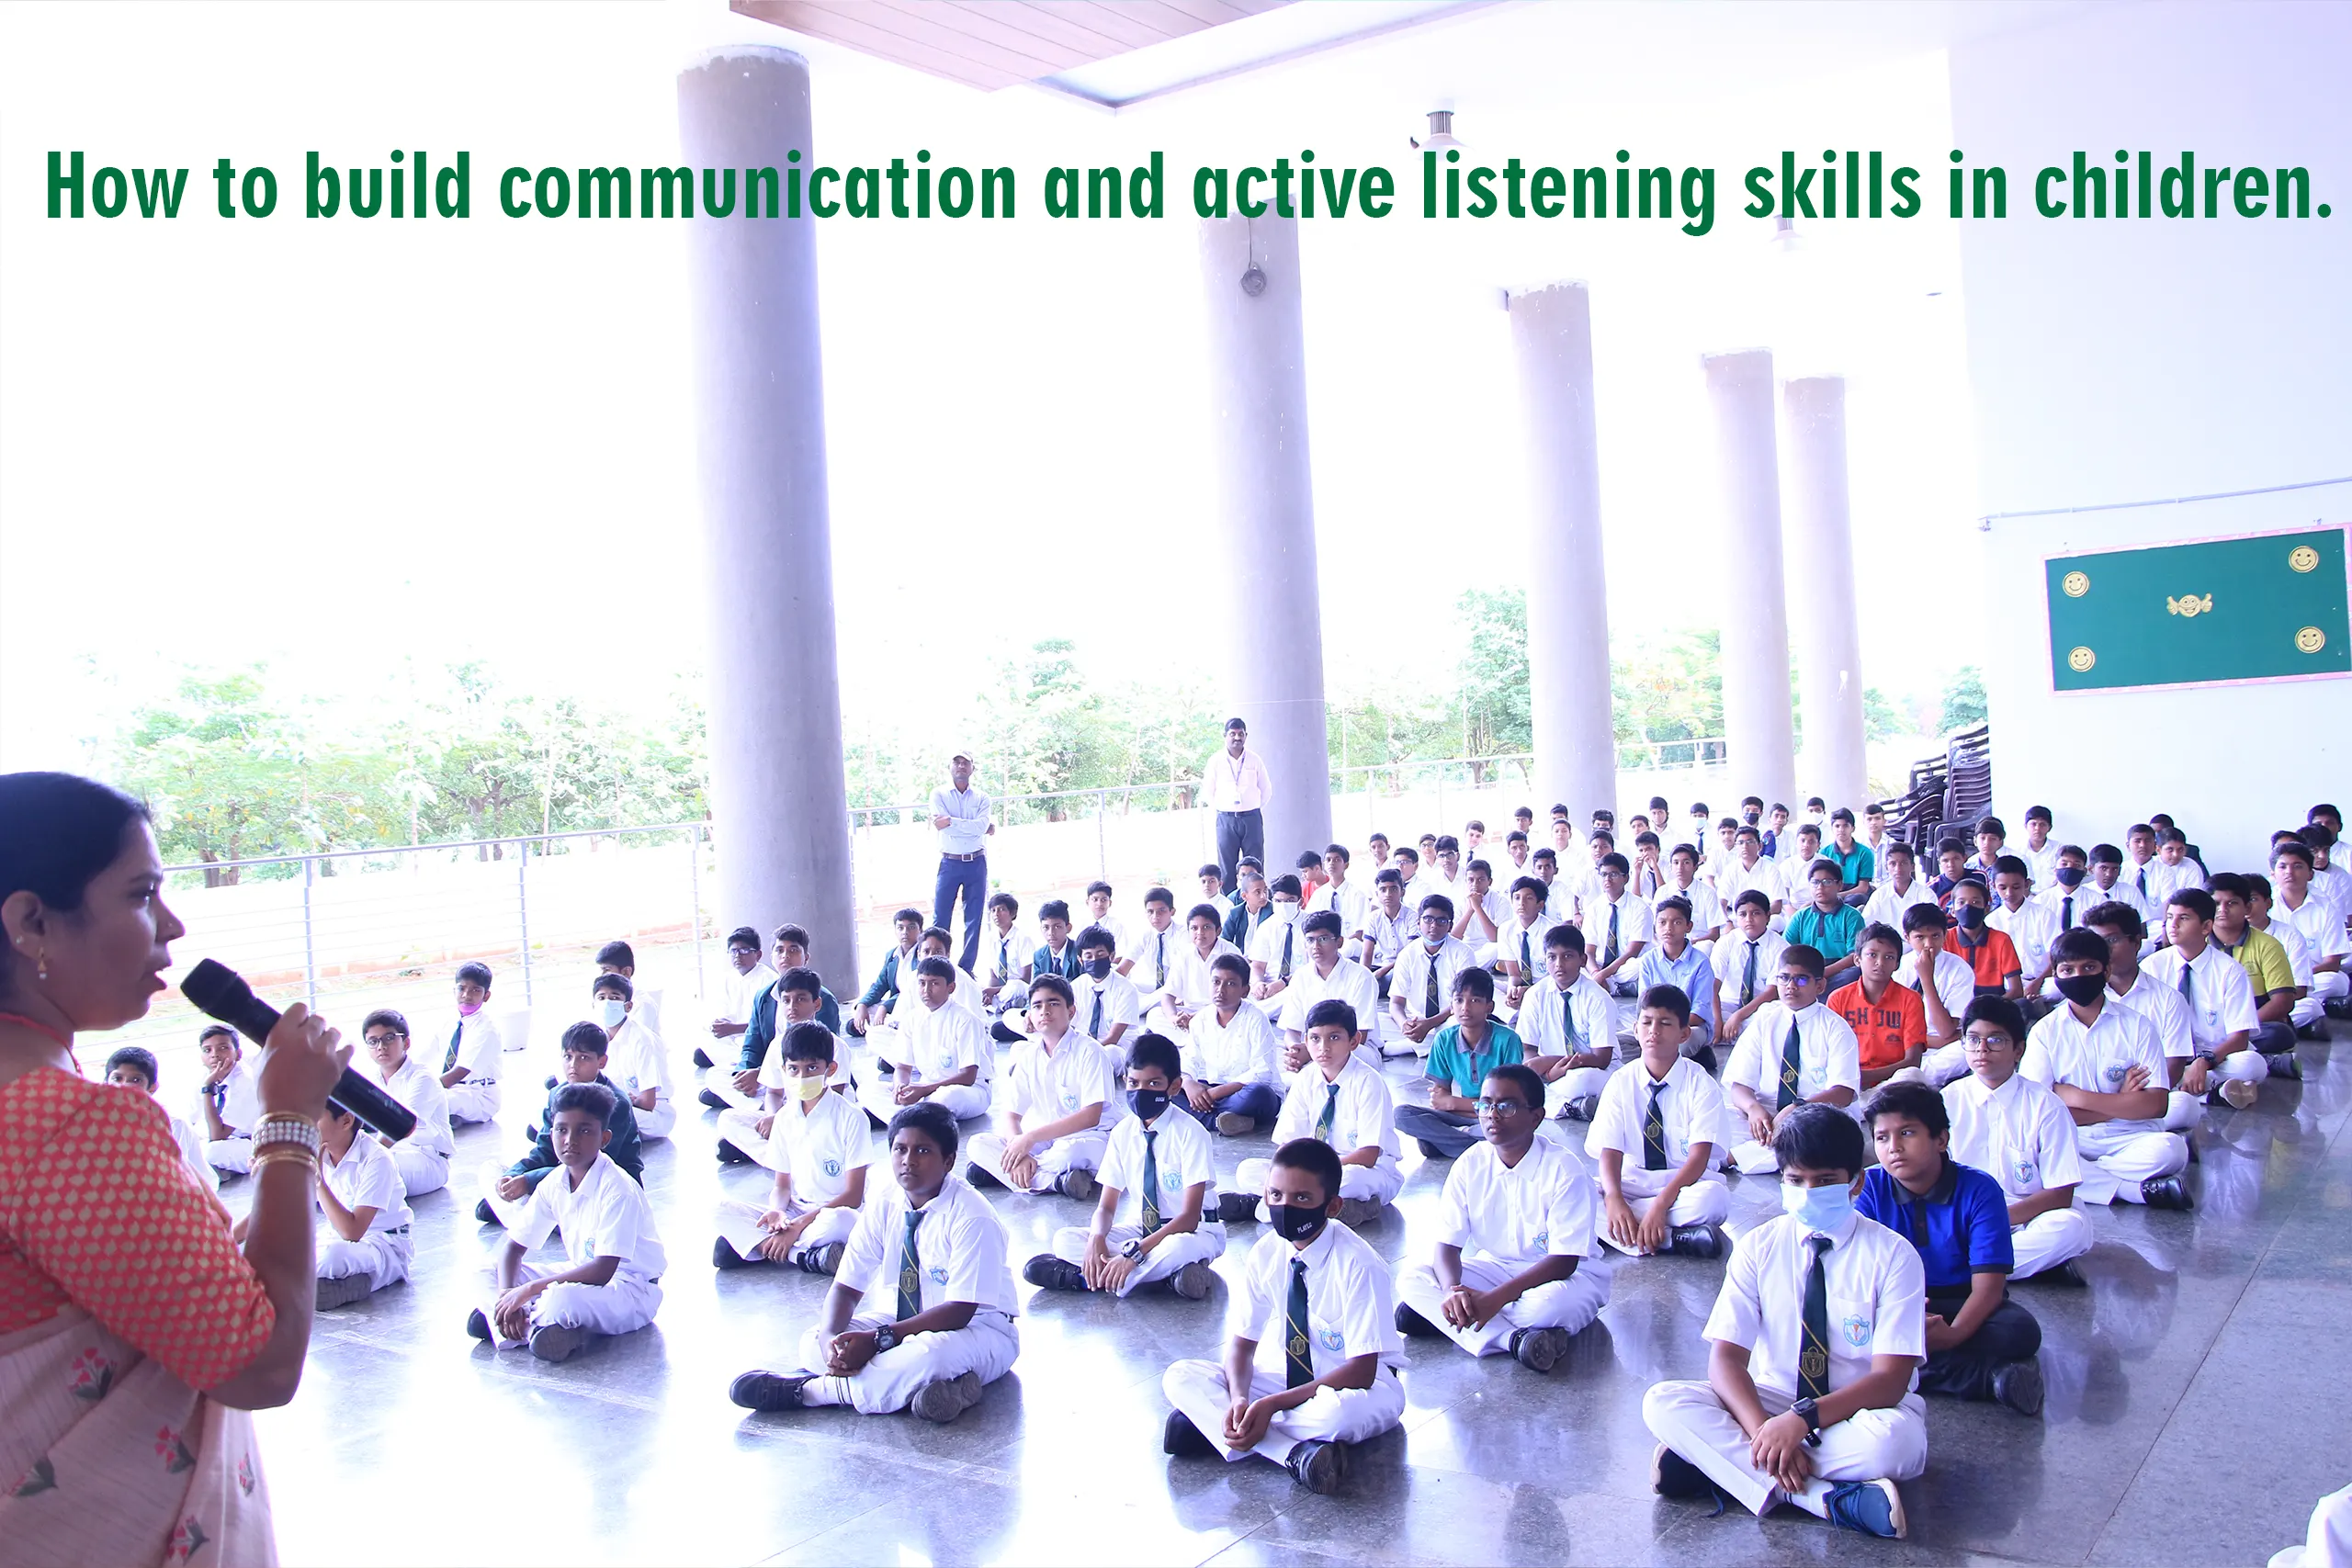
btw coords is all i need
(1103, 1002)
(1311, 1347)
(1156, 1175)
(1988, 953)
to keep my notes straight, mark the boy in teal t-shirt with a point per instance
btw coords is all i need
(1461, 1055)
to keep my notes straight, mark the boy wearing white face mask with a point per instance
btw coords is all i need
(1276, 951)
(819, 1147)
(637, 1062)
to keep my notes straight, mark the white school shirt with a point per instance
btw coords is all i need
(2317, 921)
(2020, 1135)
(2335, 884)
(740, 991)
(1181, 1156)
(1796, 880)
(1523, 945)
(1266, 948)
(1692, 1108)
(2164, 1010)
(2220, 999)
(772, 1074)
(1730, 959)
(2122, 893)
(1497, 905)
(1644, 878)
(1633, 924)
(821, 1146)
(961, 1250)
(2040, 865)
(368, 1178)
(240, 1106)
(1827, 1053)
(1349, 982)
(1235, 783)
(1410, 978)
(1559, 902)
(1706, 909)
(1736, 879)
(2053, 902)
(1002, 954)
(1045, 1086)
(1888, 907)
(608, 1216)
(1390, 933)
(2299, 952)
(1347, 900)
(1109, 922)
(1955, 980)
(1519, 1215)
(1244, 1050)
(1877, 1294)
(1120, 1003)
(472, 1043)
(1351, 1301)
(1429, 883)
(2164, 881)
(419, 1087)
(946, 1040)
(192, 1143)
(2031, 928)
(1189, 974)
(1153, 955)
(2060, 1050)
(1365, 1117)
(1548, 1017)
(639, 1060)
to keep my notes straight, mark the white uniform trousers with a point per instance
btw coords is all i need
(1372, 1183)
(421, 1169)
(739, 1124)
(988, 1346)
(473, 1099)
(2048, 1239)
(2182, 1112)
(234, 1156)
(2331, 986)
(624, 1306)
(1945, 1064)
(1333, 1416)
(2121, 1160)
(2247, 1065)
(510, 1210)
(876, 1093)
(721, 1081)
(1705, 1201)
(2328, 1542)
(1082, 1150)
(738, 1225)
(1870, 1445)
(382, 1255)
(1576, 1083)
(1753, 1157)
(1568, 1304)
(1205, 1244)
(659, 1122)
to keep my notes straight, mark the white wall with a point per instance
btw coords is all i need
(2128, 360)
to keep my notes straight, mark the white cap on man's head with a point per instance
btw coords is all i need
(962, 754)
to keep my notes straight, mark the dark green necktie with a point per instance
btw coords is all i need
(1653, 1133)
(909, 1271)
(1568, 1021)
(1331, 1114)
(1813, 1361)
(1288, 932)
(2188, 991)
(1094, 1021)
(1748, 978)
(1299, 1360)
(1526, 963)
(1429, 995)
(1608, 952)
(2067, 913)
(1151, 1183)
(1789, 1076)
(450, 1061)
(1159, 949)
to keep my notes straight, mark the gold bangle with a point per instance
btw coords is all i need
(282, 1153)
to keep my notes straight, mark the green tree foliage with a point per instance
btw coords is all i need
(1964, 700)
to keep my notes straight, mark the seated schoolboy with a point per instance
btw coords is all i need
(1274, 948)
(640, 1063)
(1794, 1052)
(1617, 925)
(1683, 881)
(790, 952)
(470, 1064)
(133, 1066)
(1518, 1269)
(1324, 976)
(2269, 972)
(1857, 862)
(1945, 984)
(1992, 958)
(1102, 1001)
(1336, 1098)
(612, 1283)
(1825, 923)
(1189, 991)
(1423, 978)
(2159, 1006)
(423, 1157)
(1899, 889)
(1889, 1024)
(2027, 923)
(1746, 958)
(1098, 913)
(1252, 908)
(620, 958)
(367, 1218)
(1568, 1026)
(1520, 953)
(932, 1254)
(1461, 1055)
(747, 976)
(1388, 931)
(1058, 1105)
(1481, 913)
(1158, 1170)
(1151, 954)
(227, 1103)
(2219, 999)
(757, 1094)
(1004, 948)
(1674, 960)
(1981, 1345)
(2299, 905)
(2103, 1060)
(942, 1051)
(1311, 1342)
(2062, 895)
(506, 1194)
(1233, 1080)
(895, 979)
(2019, 1134)
(819, 1146)
(1653, 1138)
(1800, 1407)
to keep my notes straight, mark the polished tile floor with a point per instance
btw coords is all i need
(2196, 1409)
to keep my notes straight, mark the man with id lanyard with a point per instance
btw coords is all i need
(961, 815)
(1236, 788)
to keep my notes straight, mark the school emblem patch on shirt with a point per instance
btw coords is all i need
(2024, 1170)
(2115, 1072)
(939, 1276)
(1331, 1338)
(833, 1168)
(1543, 1238)
(1858, 1330)
(1171, 1181)
(1069, 1099)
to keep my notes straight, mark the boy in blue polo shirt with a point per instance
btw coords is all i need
(1981, 1345)
(1461, 1055)
(1828, 925)
(1674, 960)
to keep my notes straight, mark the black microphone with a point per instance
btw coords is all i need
(221, 992)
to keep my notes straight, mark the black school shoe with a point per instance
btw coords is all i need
(1694, 1241)
(1180, 1437)
(710, 1098)
(477, 1324)
(1412, 1324)
(724, 1256)
(2018, 1386)
(2283, 1064)
(766, 1390)
(1048, 1272)
(702, 1059)
(1539, 1349)
(1671, 1476)
(2165, 1193)
(1234, 1208)
(483, 1212)
(729, 1155)
(1318, 1466)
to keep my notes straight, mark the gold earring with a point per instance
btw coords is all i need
(40, 965)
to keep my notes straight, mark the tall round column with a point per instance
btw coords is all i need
(1567, 601)
(779, 802)
(1262, 537)
(1758, 726)
(1821, 555)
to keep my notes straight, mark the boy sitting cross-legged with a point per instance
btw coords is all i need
(819, 1146)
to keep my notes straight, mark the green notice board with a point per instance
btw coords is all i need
(2266, 607)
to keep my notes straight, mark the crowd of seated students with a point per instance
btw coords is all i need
(1942, 1076)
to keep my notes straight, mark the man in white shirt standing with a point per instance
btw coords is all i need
(961, 815)
(1236, 786)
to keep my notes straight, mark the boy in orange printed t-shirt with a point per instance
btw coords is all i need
(1988, 953)
(1889, 1021)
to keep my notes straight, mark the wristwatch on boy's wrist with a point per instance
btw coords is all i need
(1809, 1412)
(2207, 1058)
(1132, 1248)
(884, 1338)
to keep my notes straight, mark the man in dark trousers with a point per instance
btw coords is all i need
(1235, 788)
(961, 815)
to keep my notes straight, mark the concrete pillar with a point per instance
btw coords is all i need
(1821, 563)
(1758, 727)
(1568, 611)
(779, 802)
(1261, 539)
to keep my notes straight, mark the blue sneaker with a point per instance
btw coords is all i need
(1873, 1508)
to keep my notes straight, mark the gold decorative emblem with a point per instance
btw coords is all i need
(1813, 1365)
(2303, 557)
(2310, 639)
(2189, 605)
(2076, 585)
(2081, 660)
